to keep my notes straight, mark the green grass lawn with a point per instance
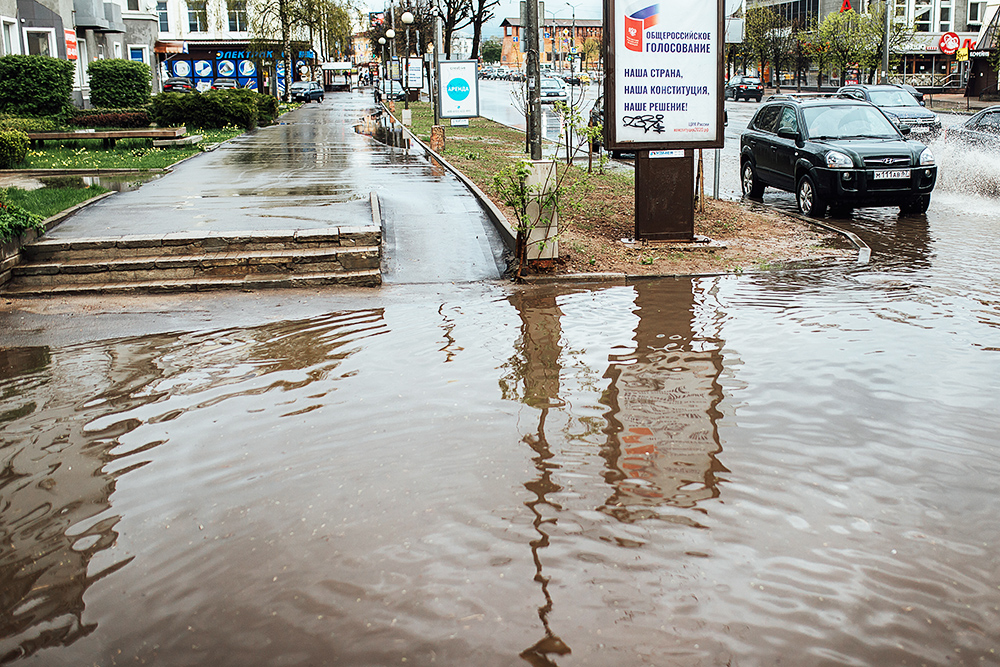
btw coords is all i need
(127, 154)
(48, 201)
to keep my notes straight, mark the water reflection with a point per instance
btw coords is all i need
(87, 417)
(535, 381)
(663, 440)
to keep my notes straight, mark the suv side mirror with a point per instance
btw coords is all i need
(787, 133)
(903, 129)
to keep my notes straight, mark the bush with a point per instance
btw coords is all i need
(14, 221)
(13, 148)
(118, 83)
(28, 124)
(214, 109)
(267, 109)
(124, 118)
(35, 85)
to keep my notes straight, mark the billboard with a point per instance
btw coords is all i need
(458, 90)
(665, 83)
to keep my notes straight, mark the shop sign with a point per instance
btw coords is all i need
(71, 52)
(979, 54)
(665, 74)
(949, 43)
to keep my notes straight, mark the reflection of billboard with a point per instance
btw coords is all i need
(376, 19)
(458, 94)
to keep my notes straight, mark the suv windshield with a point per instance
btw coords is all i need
(846, 121)
(892, 98)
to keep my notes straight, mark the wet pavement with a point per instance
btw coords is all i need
(787, 467)
(313, 171)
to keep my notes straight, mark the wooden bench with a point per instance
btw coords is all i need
(108, 137)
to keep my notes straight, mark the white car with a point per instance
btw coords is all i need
(553, 90)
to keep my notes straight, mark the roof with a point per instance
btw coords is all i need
(559, 21)
(814, 99)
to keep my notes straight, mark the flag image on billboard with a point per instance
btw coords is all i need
(665, 81)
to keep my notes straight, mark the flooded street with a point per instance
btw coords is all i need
(774, 468)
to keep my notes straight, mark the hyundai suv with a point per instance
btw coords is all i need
(835, 152)
(900, 105)
(745, 87)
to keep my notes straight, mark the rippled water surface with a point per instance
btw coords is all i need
(794, 468)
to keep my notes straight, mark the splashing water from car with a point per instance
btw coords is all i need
(967, 169)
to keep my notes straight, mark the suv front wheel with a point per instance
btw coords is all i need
(810, 203)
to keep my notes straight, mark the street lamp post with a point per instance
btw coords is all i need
(385, 65)
(407, 19)
(390, 36)
(572, 48)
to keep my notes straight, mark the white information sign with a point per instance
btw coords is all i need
(667, 73)
(458, 89)
(414, 73)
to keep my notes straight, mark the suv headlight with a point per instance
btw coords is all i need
(926, 158)
(837, 160)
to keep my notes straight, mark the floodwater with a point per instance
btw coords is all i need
(775, 468)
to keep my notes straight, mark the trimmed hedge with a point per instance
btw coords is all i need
(123, 118)
(119, 83)
(28, 124)
(13, 148)
(214, 109)
(35, 85)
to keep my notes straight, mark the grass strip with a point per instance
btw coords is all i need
(127, 153)
(48, 201)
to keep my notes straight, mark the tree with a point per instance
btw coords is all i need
(817, 49)
(492, 50)
(455, 15)
(758, 34)
(873, 38)
(843, 34)
(591, 50)
(482, 11)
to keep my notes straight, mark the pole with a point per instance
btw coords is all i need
(437, 49)
(885, 45)
(406, 71)
(533, 78)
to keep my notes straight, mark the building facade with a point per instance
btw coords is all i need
(560, 41)
(931, 59)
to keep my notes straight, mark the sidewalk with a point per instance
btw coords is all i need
(313, 172)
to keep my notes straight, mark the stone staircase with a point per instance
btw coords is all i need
(187, 261)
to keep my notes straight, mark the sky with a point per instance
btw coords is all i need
(585, 9)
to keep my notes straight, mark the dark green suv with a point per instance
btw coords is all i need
(834, 152)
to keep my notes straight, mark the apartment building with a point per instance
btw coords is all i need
(560, 39)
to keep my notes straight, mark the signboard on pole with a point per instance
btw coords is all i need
(414, 73)
(666, 76)
(458, 89)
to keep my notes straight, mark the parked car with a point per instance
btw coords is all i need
(178, 84)
(219, 84)
(745, 87)
(980, 131)
(306, 91)
(597, 118)
(899, 105)
(838, 152)
(552, 90)
(917, 95)
(394, 91)
(577, 79)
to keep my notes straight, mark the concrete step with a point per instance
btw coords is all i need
(364, 278)
(188, 243)
(291, 262)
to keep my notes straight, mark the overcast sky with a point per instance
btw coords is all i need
(585, 9)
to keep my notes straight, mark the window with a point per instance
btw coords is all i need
(133, 5)
(118, 50)
(9, 38)
(237, 16)
(161, 12)
(137, 53)
(922, 15)
(40, 42)
(197, 16)
(944, 16)
(976, 11)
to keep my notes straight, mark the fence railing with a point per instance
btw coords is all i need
(929, 80)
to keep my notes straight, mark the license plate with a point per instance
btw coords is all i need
(891, 173)
(920, 130)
